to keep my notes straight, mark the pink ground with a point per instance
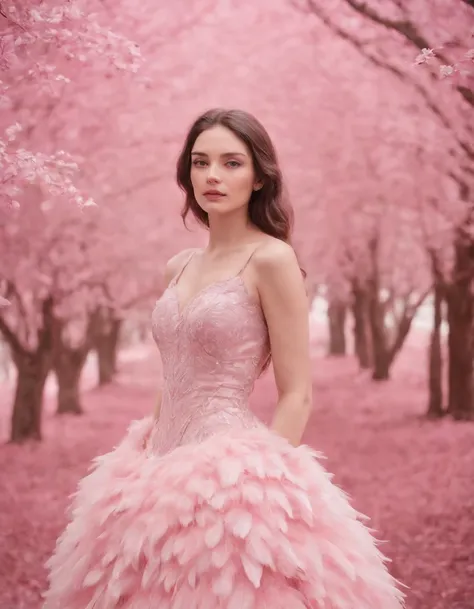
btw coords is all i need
(412, 477)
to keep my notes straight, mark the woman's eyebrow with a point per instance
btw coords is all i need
(225, 154)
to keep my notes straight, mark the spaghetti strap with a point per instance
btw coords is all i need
(178, 276)
(247, 261)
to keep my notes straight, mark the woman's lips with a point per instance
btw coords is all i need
(213, 195)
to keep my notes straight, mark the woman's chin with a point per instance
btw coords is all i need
(217, 207)
(222, 208)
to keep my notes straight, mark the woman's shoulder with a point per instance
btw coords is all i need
(279, 278)
(176, 263)
(273, 254)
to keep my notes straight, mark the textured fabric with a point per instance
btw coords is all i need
(207, 508)
(212, 350)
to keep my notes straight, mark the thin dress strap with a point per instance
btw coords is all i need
(247, 261)
(178, 276)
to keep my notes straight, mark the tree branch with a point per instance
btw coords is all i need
(410, 32)
(315, 9)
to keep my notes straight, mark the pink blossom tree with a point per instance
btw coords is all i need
(40, 45)
(71, 272)
(440, 36)
(353, 155)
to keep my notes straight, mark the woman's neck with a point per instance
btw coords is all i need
(226, 233)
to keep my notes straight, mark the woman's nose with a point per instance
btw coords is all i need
(213, 174)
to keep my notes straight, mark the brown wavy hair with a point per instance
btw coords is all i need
(268, 208)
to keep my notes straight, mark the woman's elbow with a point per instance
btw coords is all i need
(307, 403)
(300, 403)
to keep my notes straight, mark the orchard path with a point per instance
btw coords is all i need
(414, 478)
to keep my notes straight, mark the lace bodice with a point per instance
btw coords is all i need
(213, 349)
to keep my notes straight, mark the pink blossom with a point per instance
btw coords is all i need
(425, 56)
(446, 70)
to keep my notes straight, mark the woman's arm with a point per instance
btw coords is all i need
(285, 305)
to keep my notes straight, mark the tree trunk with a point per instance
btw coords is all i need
(68, 364)
(337, 327)
(435, 383)
(362, 342)
(33, 368)
(5, 360)
(106, 344)
(381, 369)
(384, 347)
(460, 314)
(68, 368)
(381, 358)
(32, 371)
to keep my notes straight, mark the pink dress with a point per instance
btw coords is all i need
(208, 508)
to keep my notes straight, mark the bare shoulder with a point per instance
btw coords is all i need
(274, 256)
(278, 274)
(176, 262)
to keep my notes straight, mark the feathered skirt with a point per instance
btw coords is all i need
(241, 520)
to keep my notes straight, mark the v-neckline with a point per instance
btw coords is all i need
(183, 308)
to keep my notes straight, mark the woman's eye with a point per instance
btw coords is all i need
(201, 163)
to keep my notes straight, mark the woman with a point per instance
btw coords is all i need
(201, 506)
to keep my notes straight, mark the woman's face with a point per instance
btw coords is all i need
(222, 172)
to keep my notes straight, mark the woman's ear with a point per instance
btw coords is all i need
(258, 186)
